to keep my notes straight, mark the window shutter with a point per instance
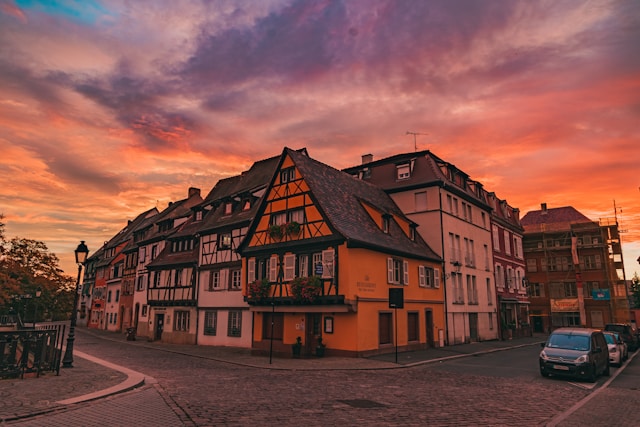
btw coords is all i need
(436, 278)
(289, 266)
(251, 270)
(273, 268)
(405, 272)
(390, 270)
(422, 282)
(327, 264)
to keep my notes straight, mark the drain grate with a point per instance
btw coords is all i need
(362, 403)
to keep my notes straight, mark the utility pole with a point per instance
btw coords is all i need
(415, 145)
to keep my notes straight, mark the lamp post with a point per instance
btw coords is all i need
(35, 306)
(81, 256)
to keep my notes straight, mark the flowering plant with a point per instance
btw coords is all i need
(259, 288)
(306, 289)
(276, 231)
(293, 228)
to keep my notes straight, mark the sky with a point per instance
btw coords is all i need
(109, 108)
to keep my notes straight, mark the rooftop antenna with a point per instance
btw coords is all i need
(415, 145)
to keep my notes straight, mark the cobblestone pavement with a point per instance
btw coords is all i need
(204, 386)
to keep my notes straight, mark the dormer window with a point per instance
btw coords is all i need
(247, 205)
(385, 223)
(403, 171)
(287, 175)
(198, 215)
(228, 208)
(225, 241)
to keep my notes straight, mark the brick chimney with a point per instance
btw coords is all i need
(543, 206)
(193, 191)
(367, 158)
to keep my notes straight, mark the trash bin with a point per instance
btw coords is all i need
(131, 334)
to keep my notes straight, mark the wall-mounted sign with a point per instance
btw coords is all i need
(601, 294)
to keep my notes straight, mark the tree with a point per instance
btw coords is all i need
(26, 265)
(635, 291)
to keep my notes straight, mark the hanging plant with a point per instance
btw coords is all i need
(276, 231)
(306, 289)
(259, 289)
(293, 228)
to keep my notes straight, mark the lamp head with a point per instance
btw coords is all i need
(81, 253)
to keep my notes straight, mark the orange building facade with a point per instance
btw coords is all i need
(331, 262)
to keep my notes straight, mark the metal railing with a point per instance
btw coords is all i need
(31, 351)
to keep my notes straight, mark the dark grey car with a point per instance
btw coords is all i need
(575, 352)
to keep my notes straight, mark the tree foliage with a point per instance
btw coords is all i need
(635, 291)
(26, 265)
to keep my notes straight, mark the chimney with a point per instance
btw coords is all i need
(367, 158)
(193, 191)
(544, 208)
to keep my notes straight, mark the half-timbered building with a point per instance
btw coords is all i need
(231, 206)
(332, 263)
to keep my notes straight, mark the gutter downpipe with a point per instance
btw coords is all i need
(444, 272)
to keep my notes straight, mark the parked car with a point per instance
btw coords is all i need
(617, 348)
(581, 353)
(626, 331)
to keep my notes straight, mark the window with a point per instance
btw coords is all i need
(198, 215)
(327, 264)
(397, 271)
(228, 208)
(385, 224)
(273, 268)
(590, 262)
(420, 200)
(469, 256)
(247, 205)
(428, 277)
(287, 175)
(413, 326)
(154, 252)
(251, 270)
(532, 266)
(279, 218)
(140, 284)
(210, 322)
(507, 243)
(181, 321)
(458, 291)
(489, 293)
(224, 241)
(563, 290)
(117, 295)
(486, 257)
(404, 171)
(234, 325)
(303, 266)
(177, 280)
(236, 276)
(109, 296)
(536, 289)
(214, 280)
(296, 215)
(496, 238)
(289, 267)
(143, 255)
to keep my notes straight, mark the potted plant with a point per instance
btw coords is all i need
(320, 348)
(259, 289)
(306, 289)
(296, 347)
(293, 228)
(276, 231)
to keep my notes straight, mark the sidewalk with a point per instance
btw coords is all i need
(92, 378)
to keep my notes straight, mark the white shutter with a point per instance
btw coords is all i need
(327, 264)
(273, 268)
(405, 272)
(289, 267)
(251, 270)
(390, 274)
(436, 278)
(422, 282)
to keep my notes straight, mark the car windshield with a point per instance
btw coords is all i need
(617, 328)
(569, 342)
(610, 339)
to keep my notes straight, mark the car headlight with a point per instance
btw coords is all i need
(582, 359)
(543, 355)
(613, 350)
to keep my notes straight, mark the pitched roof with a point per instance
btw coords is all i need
(556, 217)
(340, 196)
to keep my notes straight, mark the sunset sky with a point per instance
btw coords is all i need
(109, 108)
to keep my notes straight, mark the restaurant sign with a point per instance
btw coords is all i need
(564, 305)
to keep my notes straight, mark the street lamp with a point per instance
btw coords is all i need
(81, 256)
(35, 306)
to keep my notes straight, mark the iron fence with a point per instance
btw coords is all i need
(31, 351)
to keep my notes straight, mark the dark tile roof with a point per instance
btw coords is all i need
(340, 197)
(167, 258)
(566, 214)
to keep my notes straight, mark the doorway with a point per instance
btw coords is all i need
(313, 330)
(159, 326)
(473, 326)
(429, 320)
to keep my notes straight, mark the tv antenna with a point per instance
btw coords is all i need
(415, 145)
